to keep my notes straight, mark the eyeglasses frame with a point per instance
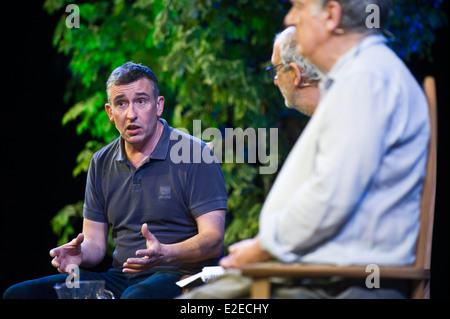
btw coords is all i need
(270, 71)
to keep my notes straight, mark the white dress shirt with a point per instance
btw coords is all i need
(349, 191)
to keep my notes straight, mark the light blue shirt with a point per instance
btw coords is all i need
(349, 191)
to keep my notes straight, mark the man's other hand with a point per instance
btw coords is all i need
(67, 254)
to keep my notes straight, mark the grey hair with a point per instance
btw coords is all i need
(130, 72)
(288, 54)
(354, 14)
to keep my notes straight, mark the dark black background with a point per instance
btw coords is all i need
(38, 153)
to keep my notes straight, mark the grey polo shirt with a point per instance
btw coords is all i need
(165, 192)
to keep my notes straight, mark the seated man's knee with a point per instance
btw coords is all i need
(148, 292)
(31, 289)
(41, 288)
(158, 286)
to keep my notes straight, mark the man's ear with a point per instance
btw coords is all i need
(297, 73)
(332, 13)
(109, 112)
(160, 105)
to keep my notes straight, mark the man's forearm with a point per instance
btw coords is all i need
(208, 243)
(197, 248)
(92, 253)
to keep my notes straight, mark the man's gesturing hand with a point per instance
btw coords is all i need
(67, 254)
(148, 258)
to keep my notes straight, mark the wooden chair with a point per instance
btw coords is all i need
(418, 273)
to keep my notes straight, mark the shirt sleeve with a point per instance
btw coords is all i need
(206, 189)
(347, 152)
(93, 208)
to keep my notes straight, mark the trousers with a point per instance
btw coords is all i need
(144, 285)
(232, 285)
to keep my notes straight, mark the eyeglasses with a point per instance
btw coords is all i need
(273, 70)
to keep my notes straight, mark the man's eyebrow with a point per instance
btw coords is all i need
(142, 94)
(118, 97)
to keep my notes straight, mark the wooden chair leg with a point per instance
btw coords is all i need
(260, 288)
(420, 289)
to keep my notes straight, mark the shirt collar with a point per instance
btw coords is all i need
(159, 153)
(162, 148)
(344, 60)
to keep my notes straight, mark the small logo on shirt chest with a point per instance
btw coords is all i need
(165, 192)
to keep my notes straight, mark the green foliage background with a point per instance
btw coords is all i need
(209, 57)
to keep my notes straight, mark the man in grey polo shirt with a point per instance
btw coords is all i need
(167, 216)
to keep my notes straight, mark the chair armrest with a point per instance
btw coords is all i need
(273, 269)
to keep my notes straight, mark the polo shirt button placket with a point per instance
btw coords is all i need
(136, 182)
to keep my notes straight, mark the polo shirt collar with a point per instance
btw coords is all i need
(159, 153)
(162, 148)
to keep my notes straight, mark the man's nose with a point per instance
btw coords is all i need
(131, 112)
(290, 18)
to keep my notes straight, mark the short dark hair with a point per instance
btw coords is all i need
(130, 72)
